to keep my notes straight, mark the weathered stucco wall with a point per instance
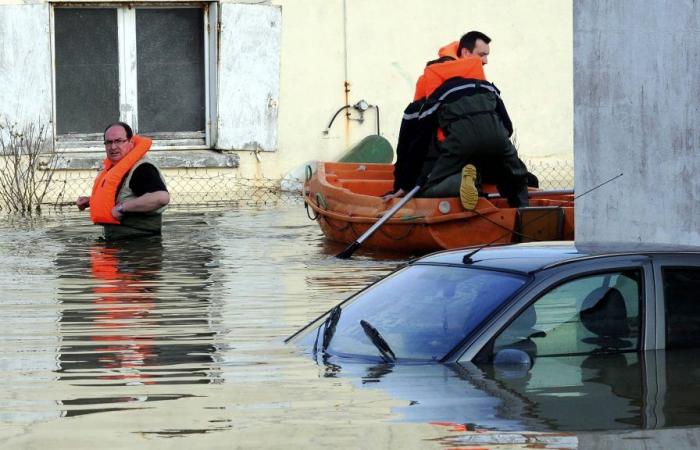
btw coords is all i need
(25, 63)
(380, 48)
(636, 88)
(292, 58)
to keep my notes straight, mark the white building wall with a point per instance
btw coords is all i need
(381, 47)
(25, 63)
(284, 64)
(636, 88)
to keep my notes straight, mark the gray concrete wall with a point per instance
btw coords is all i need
(637, 112)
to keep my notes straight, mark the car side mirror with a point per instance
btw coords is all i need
(512, 363)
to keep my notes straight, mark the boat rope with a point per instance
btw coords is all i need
(341, 228)
(383, 231)
(320, 201)
(306, 207)
(404, 236)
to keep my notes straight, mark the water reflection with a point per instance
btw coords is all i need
(651, 390)
(180, 341)
(132, 316)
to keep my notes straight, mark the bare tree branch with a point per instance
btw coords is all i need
(28, 166)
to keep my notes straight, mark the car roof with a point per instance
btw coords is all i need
(534, 256)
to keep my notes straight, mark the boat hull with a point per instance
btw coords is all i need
(346, 200)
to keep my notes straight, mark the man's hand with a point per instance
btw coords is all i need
(399, 193)
(118, 211)
(82, 202)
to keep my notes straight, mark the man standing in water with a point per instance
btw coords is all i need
(129, 194)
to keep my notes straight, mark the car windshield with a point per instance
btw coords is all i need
(421, 312)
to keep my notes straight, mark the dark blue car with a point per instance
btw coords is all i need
(514, 304)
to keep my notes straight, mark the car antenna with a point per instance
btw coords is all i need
(468, 257)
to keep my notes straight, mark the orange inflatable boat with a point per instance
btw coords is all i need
(345, 199)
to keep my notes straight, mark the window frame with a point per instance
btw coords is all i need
(660, 263)
(128, 87)
(549, 279)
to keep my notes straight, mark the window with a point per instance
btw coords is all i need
(593, 314)
(144, 65)
(682, 295)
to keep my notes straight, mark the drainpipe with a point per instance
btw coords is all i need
(346, 83)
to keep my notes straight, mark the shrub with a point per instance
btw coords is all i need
(28, 165)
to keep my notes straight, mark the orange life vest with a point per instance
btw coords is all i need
(420, 88)
(436, 74)
(447, 51)
(104, 191)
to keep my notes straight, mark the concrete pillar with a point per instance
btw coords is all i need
(637, 112)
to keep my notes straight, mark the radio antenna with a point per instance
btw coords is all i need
(468, 257)
(600, 185)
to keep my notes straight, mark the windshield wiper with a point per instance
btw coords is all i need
(329, 328)
(378, 341)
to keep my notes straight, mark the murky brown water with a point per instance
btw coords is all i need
(179, 343)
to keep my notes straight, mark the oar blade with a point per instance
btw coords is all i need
(349, 250)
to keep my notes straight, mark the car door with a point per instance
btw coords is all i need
(677, 282)
(590, 306)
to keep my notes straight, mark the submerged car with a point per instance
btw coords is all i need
(514, 304)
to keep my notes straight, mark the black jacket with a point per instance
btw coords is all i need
(418, 132)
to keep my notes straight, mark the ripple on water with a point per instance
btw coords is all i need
(140, 343)
(180, 336)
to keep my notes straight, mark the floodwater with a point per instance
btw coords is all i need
(179, 343)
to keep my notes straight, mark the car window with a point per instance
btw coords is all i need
(422, 312)
(598, 313)
(682, 296)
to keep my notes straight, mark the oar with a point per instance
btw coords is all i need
(347, 253)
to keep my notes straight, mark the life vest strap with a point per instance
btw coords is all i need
(436, 103)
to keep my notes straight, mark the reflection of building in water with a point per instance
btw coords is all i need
(135, 313)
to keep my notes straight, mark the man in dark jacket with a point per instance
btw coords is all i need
(474, 125)
(456, 125)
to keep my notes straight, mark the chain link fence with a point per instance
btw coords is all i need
(555, 174)
(225, 187)
(187, 187)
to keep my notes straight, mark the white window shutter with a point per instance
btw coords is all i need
(249, 76)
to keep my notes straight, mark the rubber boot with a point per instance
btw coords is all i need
(468, 193)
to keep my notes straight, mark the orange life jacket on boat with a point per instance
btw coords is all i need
(436, 74)
(106, 186)
(446, 53)
(447, 66)
(449, 50)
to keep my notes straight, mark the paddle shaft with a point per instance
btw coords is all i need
(538, 193)
(347, 253)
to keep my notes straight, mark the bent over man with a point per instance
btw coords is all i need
(129, 194)
(457, 124)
